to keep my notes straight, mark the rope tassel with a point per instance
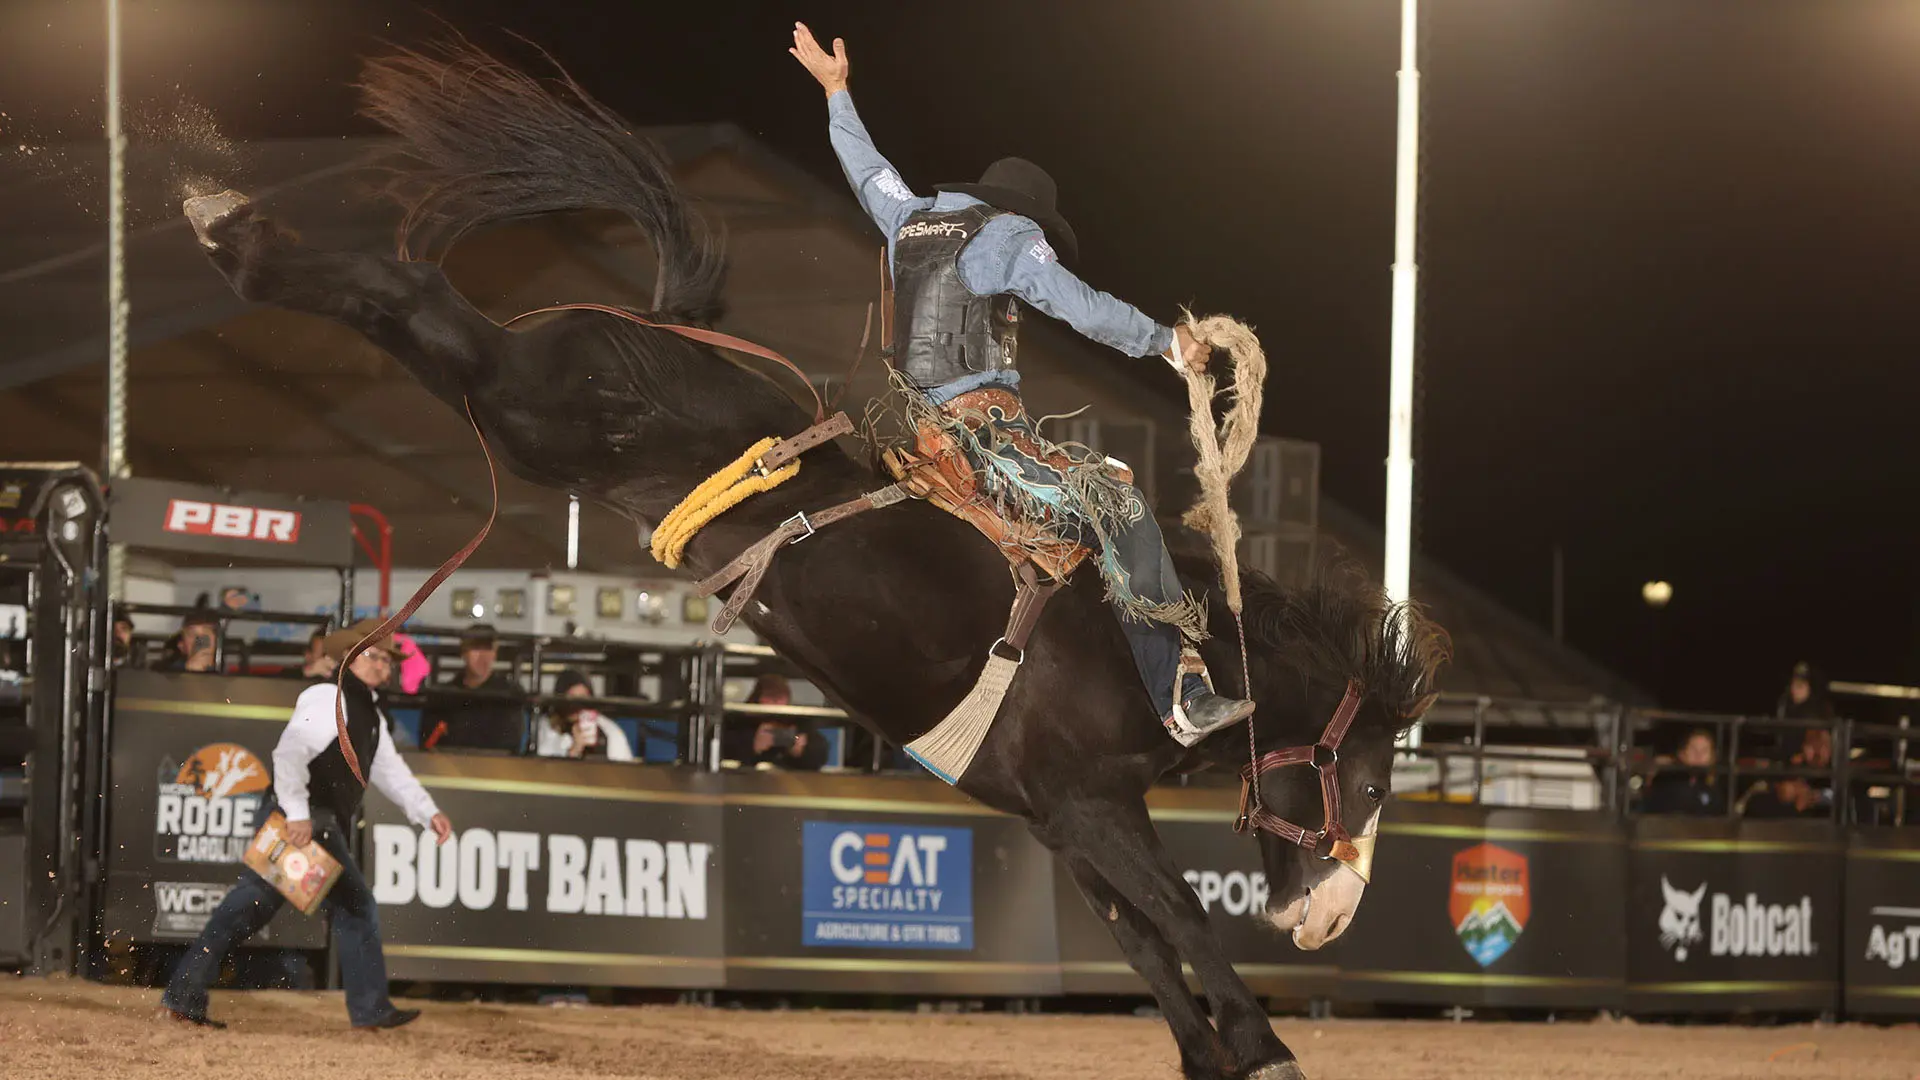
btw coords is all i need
(948, 749)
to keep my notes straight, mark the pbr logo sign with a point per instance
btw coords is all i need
(207, 807)
(1490, 900)
(887, 886)
(181, 908)
(195, 518)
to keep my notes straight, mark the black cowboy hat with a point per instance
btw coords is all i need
(1019, 186)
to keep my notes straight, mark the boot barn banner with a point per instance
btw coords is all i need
(191, 768)
(558, 872)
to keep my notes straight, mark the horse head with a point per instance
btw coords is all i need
(1334, 647)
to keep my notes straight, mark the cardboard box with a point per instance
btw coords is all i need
(302, 874)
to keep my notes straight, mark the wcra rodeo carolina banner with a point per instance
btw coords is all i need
(191, 771)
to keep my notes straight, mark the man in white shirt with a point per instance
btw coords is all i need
(315, 789)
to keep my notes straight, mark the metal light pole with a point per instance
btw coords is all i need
(573, 532)
(116, 463)
(1398, 573)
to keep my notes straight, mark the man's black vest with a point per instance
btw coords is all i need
(330, 784)
(946, 332)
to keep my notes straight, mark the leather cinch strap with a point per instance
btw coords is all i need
(787, 449)
(1029, 599)
(750, 566)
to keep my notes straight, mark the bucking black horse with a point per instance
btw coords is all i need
(889, 613)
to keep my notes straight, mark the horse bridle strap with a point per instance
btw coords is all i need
(1331, 840)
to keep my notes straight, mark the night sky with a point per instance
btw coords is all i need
(1668, 247)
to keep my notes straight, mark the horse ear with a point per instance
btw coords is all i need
(1419, 708)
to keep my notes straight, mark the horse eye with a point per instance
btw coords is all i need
(1376, 792)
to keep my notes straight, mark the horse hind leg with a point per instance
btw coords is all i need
(408, 309)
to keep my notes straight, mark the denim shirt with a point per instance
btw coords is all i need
(1010, 254)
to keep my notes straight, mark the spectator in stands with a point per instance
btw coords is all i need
(192, 648)
(315, 664)
(1796, 796)
(1805, 698)
(491, 715)
(122, 635)
(778, 741)
(1696, 791)
(579, 731)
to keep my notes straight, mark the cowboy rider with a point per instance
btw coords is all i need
(959, 261)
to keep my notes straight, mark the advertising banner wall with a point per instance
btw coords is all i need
(883, 885)
(191, 768)
(1882, 967)
(1476, 905)
(559, 872)
(1727, 915)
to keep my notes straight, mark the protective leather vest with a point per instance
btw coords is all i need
(946, 332)
(330, 783)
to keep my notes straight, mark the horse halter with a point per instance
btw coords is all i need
(1331, 840)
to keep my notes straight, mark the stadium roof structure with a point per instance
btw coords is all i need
(224, 393)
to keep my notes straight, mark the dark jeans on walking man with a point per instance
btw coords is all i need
(253, 902)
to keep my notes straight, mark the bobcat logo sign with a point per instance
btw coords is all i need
(1490, 900)
(1734, 927)
(1680, 918)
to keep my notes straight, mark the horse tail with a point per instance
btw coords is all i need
(483, 142)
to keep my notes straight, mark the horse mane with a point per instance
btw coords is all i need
(484, 143)
(1340, 626)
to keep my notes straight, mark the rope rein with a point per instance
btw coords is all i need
(1222, 451)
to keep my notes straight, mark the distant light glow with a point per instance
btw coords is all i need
(479, 610)
(1657, 594)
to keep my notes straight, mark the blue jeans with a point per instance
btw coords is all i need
(1142, 557)
(249, 906)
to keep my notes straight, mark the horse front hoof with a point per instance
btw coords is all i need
(1278, 1070)
(207, 211)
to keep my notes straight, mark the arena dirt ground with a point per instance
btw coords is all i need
(70, 1030)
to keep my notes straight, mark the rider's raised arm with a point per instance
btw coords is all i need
(878, 186)
(1011, 255)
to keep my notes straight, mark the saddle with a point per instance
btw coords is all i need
(937, 469)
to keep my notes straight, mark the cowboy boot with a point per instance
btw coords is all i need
(1202, 712)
